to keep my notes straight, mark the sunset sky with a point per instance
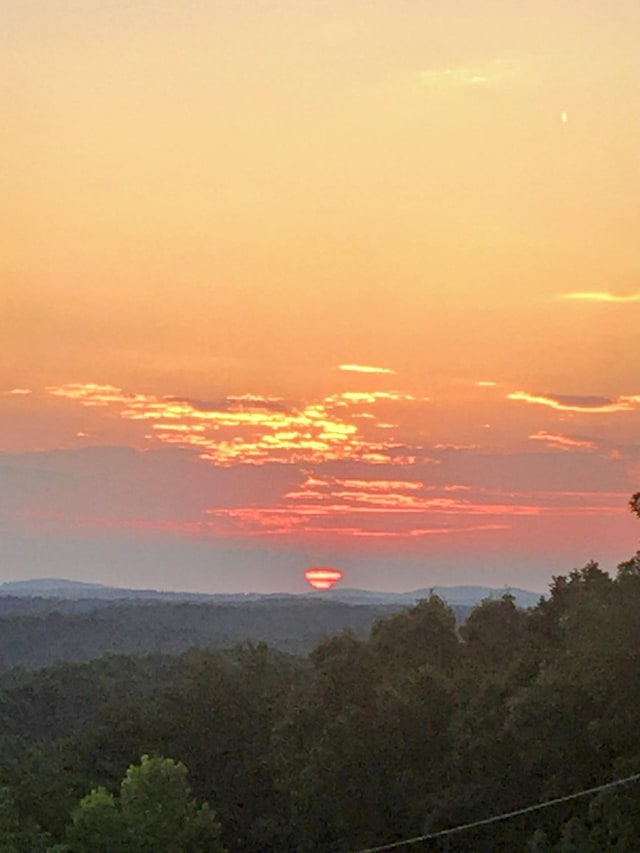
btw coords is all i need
(308, 282)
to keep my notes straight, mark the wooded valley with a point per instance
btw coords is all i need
(418, 726)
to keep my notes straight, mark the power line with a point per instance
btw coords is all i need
(505, 816)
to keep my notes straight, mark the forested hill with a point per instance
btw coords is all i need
(420, 726)
(37, 632)
(46, 621)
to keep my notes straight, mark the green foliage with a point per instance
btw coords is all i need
(17, 833)
(364, 742)
(98, 825)
(574, 838)
(426, 634)
(155, 811)
(494, 633)
(40, 637)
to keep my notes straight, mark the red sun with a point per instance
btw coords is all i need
(323, 578)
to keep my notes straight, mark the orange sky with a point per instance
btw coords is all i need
(209, 208)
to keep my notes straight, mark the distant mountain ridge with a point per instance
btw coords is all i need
(465, 595)
(76, 590)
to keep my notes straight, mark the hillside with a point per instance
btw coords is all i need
(79, 590)
(48, 621)
(40, 632)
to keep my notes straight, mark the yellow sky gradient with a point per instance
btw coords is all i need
(202, 200)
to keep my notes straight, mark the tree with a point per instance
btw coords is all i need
(155, 811)
(494, 633)
(98, 824)
(365, 737)
(17, 835)
(156, 804)
(426, 634)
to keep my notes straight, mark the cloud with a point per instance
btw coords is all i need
(378, 508)
(383, 485)
(490, 74)
(342, 519)
(252, 429)
(338, 476)
(18, 392)
(348, 502)
(332, 523)
(364, 368)
(576, 403)
(600, 296)
(345, 509)
(254, 401)
(123, 485)
(562, 442)
(372, 397)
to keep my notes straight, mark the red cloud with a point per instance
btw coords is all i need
(562, 442)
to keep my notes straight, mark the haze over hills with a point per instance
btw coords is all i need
(77, 590)
(51, 620)
(468, 596)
